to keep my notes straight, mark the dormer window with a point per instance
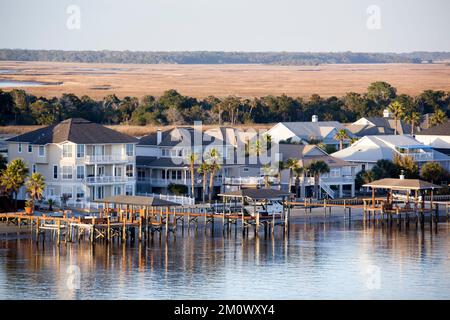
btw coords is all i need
(30, 148)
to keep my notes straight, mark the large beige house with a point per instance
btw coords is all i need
(83, 160)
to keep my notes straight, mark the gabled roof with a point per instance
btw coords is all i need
(439, 130)
(387, 124)
(401, 184)
(374, 148)
(309, 153)
(185, 136)
(75, 130)
(306, 130)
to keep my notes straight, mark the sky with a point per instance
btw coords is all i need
(227, 25)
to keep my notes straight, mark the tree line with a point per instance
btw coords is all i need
(219, 57)
(17, 107)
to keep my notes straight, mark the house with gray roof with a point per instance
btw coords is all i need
(81, 161)
(307, 132)
(437, 137)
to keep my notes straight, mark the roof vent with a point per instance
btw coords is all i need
(402, 175)
(386, 113)
(315, 118)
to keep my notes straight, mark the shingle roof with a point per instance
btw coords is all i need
(75, 130)
(185, 136)
(439, 130)
(402, 184)
(138, 201)
(308, 130)
(305, 154)
(388, 124)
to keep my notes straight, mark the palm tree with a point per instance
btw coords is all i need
(298, 173)
(214, 166)
(437, 118)
(280, 166)
(397, 110)
(203, 169)
(291, 164)
(13, 178)
(35, 186)
(317, 168)
(192, 160)
(267, 172)
(413, 118)
(341, 135)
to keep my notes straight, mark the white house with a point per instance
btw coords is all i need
(306, 131)
(437, 137)
(81, 160)
(369, 149)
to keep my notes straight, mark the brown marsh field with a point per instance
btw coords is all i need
(99, 80)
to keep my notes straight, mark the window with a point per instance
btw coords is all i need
(67, 191)
(101, 171)
(130, 150)
(19, 148)
(41, 151)
(100, 192)
(50, 192)
(30, 148)
(117, 171)
(80, 193)
(67, 151)
(129, 170)
(33, 170)
(55, 172)
(80, 172)
(246, 169)
(67, 173)
(129, 190)
(80, 150)
(165, 152)
(141, 175)
(176, 174)
(117, 190)
(335, 172)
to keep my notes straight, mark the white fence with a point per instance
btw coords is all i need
(177, 199)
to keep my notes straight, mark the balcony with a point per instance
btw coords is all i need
(93, 159)
(419, 156)
(107, 180)
(309, 181)
(250, 181)
(157, 182)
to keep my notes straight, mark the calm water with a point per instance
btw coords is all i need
(16, 83)
(316, 262)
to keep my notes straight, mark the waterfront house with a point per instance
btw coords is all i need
(163, 158)
(80, 160)
(307, 132)
(339, 182)
(369, 149)
(437, 137)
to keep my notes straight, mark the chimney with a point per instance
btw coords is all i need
(386, 113)
(158, 136)
(315, 118)
(402, 175)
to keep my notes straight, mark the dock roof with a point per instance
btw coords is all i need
(138, 201)
(401, 184)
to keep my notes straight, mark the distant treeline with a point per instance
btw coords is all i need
(219, 57)
(21, 108)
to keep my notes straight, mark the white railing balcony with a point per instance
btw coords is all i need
(110, 158)
(107, 179)
(183, 200)
(419, 156)
(250, 180)
(158, 182)
(309, 181)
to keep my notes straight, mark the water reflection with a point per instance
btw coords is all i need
(324, 260)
